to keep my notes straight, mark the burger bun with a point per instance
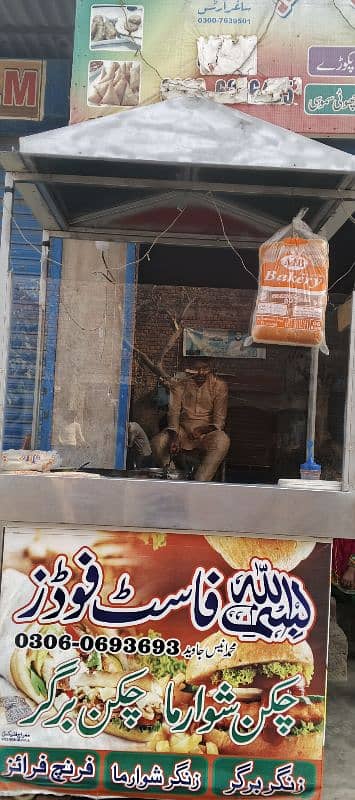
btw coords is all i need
(135, 735)
(284, 554)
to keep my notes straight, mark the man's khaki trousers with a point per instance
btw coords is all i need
(212, 449)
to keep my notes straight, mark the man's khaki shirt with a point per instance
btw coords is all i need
(193, 406)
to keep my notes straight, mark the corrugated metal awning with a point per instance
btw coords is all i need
(159, 168)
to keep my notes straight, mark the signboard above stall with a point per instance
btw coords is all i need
(22, 89)
(289, 62)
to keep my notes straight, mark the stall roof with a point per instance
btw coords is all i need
(165, 167)
(189, 131)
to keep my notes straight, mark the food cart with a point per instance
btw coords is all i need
(214, 555)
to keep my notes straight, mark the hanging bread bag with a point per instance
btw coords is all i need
(293, 287)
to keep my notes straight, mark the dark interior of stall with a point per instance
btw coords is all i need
(211, 290)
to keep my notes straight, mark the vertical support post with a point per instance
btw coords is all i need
(349, 433)
(127, 356)
(46, 398)
(5, 295)
(40, 337)
(312, 403)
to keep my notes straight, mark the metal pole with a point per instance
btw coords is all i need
(312, 403)
(349, 438)
(5, 294)
(40, 337)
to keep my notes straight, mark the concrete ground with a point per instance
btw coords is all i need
(339, 781)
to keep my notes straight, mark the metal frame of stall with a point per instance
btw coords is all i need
(128, 504)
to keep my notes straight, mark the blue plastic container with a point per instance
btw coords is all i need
(310, 470)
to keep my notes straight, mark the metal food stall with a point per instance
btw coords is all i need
(86, 183)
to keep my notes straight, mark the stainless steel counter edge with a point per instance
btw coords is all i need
(198, 507)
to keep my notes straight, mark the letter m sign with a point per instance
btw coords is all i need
(22, 89)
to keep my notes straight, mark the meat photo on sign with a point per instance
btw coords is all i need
(116, 27)
(114, 83)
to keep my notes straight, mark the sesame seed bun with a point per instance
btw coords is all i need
(284, 554)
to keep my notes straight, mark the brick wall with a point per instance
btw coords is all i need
(267, 398)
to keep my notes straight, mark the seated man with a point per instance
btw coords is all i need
(196, 419)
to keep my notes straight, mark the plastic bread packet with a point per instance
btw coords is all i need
(29, 460)
(292, 294)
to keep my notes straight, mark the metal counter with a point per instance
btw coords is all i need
(268, 511)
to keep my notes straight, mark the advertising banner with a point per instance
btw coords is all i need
(22, 89)
(289, 62)
(169, 664)
(211, 343)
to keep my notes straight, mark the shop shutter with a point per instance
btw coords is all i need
(25, 267)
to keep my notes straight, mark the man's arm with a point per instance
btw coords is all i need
(220, 406)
